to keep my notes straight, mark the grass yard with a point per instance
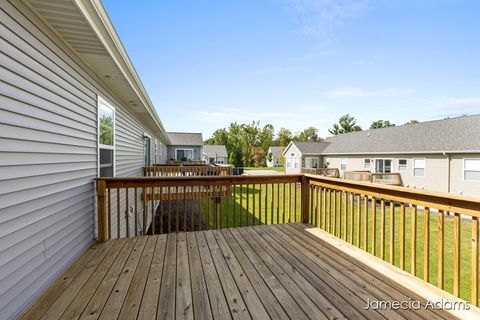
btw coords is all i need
(281, 203)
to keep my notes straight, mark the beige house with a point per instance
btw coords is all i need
(442, 155)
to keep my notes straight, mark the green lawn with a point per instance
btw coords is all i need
(279, 169)
(260, 207)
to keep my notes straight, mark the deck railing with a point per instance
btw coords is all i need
(150, 205)
(433, 235)
(326, 172)
(189, 170)
(394, 179)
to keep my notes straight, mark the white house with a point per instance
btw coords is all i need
(273, 156)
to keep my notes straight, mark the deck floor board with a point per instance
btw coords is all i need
(261, 272)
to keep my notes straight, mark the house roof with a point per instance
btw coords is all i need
(215, 151)
(276, 151)
(460, 134)
(185, 138)
(96, 43)
(312, 148)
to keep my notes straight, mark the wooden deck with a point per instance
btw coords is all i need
(261, 272)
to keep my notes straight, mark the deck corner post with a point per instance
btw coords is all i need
(101, 212)
(305, 196)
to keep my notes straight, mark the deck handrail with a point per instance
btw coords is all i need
(326, 172)
(188, 170)
(348, 209)
(345, 208)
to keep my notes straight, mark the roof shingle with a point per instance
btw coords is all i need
(185, 138)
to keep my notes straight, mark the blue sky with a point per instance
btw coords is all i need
(300, 63)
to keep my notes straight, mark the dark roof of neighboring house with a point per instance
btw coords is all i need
(454, 134)
(215, 151)
(276, 151)
(309, 147)
(185, 139)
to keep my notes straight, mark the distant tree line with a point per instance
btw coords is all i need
(247, 144)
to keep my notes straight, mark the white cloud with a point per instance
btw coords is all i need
(354, 92)
(445, 106)
(321, 17)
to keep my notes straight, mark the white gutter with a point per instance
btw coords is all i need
(97, 17)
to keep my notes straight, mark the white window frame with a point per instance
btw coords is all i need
(101, 100)
(464, 168)
(288, 162)
(406, 164)
(147, 136)
(315, 158)
(343, 162)
(193, 152)
(383, 160)
(424, 167)
(365, 164)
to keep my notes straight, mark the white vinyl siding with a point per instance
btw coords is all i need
(419, 167)
(471, 169)
(48, 141)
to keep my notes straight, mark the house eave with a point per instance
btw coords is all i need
(400, 153)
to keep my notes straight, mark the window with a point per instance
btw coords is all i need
(343, 164)
(106, 139)
(289, 162)
(419, 167)
(471, 169)
(383, 165)
(297, 162)
(146, 150)
(366, 163)
(184, 154)
(402, 164)
(220, 160)
(311, 162)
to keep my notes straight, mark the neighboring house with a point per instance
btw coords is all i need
(275, 153)
(185, 146)
(441, 155)
(215, 154)
(72, 108)
(303, 154)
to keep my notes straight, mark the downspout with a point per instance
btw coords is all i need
(448, 170)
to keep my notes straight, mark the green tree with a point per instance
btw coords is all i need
(346, 123)
(308, 134)
(284, 137)
(381, 124)
(412, 122)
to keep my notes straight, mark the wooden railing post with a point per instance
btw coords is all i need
(305, 196)
(101, 212)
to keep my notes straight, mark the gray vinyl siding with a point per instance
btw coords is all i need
(197, 151)
(48, 156)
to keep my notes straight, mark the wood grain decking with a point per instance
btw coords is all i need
(275, 271)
